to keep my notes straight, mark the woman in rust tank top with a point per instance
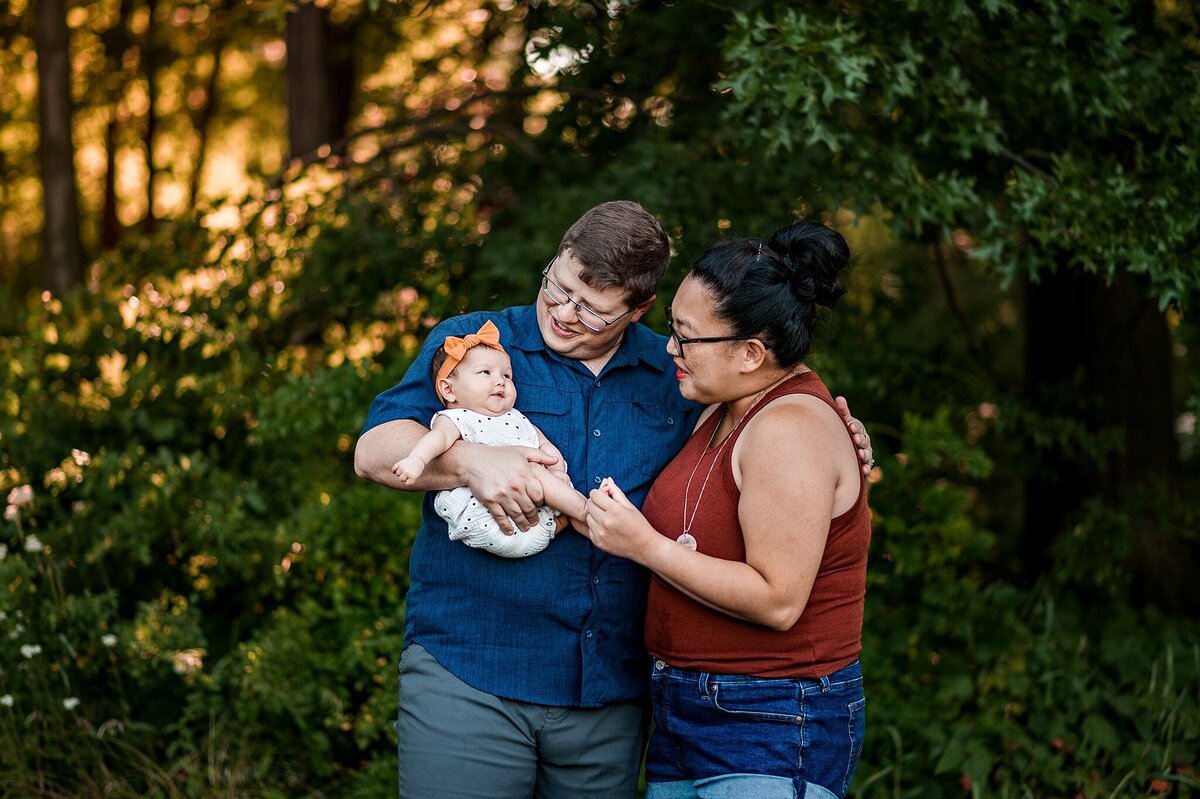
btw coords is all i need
(757, 534)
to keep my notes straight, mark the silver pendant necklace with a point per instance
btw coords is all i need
(686, 538)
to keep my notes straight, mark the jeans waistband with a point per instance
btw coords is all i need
(847, 674)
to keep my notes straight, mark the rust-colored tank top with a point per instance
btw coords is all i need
(686, 634)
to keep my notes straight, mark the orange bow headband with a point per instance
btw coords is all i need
(456, 348)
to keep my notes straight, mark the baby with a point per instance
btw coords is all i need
(473, 378)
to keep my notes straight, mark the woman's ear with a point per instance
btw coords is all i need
(754, 354)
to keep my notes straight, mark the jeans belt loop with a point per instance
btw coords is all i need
(704, 684)
(824, 684)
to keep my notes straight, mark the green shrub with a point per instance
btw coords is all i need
(977, 686)
(200, 598)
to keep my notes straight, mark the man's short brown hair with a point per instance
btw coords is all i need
(620, 244)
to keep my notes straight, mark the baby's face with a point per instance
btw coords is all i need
(482, 382)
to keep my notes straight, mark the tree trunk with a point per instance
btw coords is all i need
(64, 263)
(5, 246)
(320, 79)
(310, 118)
(1101, 355)
(110, 223)
(116, 45)
(150, 61)
(202, 119)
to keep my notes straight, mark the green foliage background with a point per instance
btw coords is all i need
(198, 597)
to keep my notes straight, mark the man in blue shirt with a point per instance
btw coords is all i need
(523, 678)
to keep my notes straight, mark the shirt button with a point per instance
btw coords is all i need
(596, 480)
(589, 633)
(595, 581)
(596, 433)
(659, 665)
(670, 420)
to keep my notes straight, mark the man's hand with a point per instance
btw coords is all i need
(504, 481)
(859, 435)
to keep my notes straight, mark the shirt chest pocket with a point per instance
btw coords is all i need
(549, 409)
(660, 428)
(658, 416)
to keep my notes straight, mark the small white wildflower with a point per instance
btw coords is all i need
(6, 700)
(71, 702)
(34, 544)
(1185, 424)
(29, 650)
(3, 615)
(81, 457)
(11, 513)
(16, 631)
(21, 495)
(108, 640)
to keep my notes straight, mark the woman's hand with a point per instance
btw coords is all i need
(858, 434)
(616, 526)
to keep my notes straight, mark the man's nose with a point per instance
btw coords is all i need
(568, 307)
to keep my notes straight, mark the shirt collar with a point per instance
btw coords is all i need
(638, 344)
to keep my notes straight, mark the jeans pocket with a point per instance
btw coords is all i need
(402, 663)
(764, 700)
(857, 728)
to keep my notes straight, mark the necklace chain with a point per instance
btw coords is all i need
(688, 522)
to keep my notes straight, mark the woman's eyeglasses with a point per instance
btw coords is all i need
(679, 341)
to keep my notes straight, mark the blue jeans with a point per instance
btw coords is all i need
(719, 735)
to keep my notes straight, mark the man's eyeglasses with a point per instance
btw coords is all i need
(587, 317)
(679, 342)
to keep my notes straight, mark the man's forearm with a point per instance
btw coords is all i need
(380, 447)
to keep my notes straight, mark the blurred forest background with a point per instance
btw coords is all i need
(226, 225)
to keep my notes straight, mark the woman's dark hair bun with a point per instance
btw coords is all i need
(814, 255)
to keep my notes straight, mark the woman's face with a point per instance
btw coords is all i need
(704, 368)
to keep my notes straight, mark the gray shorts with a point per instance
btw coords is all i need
(456, 742)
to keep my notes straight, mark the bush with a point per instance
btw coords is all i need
(978, 687)
(200, 598)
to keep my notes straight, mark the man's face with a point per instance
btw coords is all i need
(561, 327)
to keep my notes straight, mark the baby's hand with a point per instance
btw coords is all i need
(408, 469)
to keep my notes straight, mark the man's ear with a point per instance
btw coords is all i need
(640, 309)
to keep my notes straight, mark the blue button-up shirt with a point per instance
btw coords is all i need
(563, 627)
